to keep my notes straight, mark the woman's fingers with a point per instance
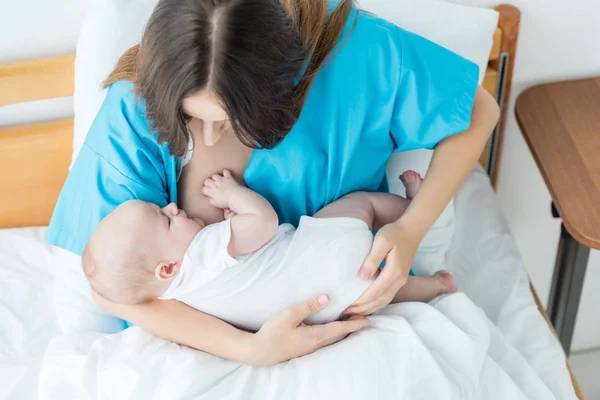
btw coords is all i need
(355, 317)
(285, 336)
(379, 251)
(370, 307)
(381, 285)
(300, 312)
(385, 286)
(333, 332)
(343, 328)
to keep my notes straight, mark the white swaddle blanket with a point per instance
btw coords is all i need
(322, 256)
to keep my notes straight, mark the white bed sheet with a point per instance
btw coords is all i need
(484, 259)
(27, 319)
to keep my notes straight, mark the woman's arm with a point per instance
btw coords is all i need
(452, 162)
(283, 337)
(397, 243)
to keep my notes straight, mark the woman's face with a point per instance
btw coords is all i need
(212, 122)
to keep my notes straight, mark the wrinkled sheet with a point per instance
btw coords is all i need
(488, 342)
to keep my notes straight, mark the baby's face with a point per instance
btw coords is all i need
(138, 243)
(169, 229)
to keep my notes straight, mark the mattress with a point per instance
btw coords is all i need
(483, 257)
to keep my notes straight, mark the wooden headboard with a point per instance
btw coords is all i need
(34, 159)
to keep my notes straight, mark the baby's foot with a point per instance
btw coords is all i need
(412, 181)
(218, 188)
(446, 280)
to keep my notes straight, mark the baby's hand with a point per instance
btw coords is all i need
(219, 188)
(228, 213)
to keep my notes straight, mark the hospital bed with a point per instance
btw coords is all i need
(34, 160)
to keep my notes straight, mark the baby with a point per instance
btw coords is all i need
(247, 268)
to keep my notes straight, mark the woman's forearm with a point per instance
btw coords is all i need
(281, 338)
(176, 322)
(453, 160)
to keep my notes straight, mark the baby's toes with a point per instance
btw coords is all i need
(447, 280)
(409, 176)
(217, 177)
(404, 178)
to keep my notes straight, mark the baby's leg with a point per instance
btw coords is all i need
(376, 209)
(426, 288)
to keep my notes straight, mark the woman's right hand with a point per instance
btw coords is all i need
(285, 336)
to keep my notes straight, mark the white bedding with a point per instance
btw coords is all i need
(27, 321)
(451, 350)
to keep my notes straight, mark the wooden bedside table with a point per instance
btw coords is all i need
(561, 124)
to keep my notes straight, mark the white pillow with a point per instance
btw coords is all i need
(109, 29)
(467, 31)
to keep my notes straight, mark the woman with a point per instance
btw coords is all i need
(304, 99)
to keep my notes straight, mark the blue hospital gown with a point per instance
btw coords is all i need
(386, 90)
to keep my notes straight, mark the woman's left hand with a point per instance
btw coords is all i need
(396, 243)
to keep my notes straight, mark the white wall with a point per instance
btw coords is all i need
(558, 40)
(33, 29)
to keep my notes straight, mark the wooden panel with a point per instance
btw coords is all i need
(40, 79)
(497, 45)
(561, 124)
(490, 80)
(509, 21)
(34, 160)
(576, 386)
(489, 83)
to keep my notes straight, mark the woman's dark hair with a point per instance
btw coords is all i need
(260, 57)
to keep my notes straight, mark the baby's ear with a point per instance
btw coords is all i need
(167, 270)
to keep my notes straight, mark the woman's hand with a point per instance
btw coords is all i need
(397, 244)
(285, 336)
(281, 338)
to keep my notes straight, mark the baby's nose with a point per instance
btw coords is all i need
(172, 209)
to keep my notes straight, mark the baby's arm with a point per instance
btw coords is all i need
(253, 221)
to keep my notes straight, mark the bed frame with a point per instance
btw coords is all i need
(28, 195)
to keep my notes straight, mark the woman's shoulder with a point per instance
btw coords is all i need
(121, 117)
(370, 42)
(122, 135)
(122, 99)
(367, 33)
(375, 30)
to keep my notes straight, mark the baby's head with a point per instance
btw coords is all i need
(137, 250)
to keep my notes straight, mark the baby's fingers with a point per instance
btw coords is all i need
(209, 183)
(208, 191)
